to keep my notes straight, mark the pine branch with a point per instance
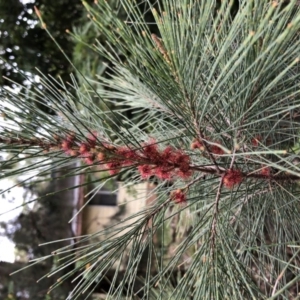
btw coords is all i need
(215, 91)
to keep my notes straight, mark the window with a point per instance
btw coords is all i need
(104, 197)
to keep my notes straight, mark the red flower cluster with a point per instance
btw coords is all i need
(178, 196)
(128, 156)
(196, 144)
(149, 160)
(68, 143)
(145, 170)
(113, 167)
(215, 149)
(256, 140)
(86, 150)
(265, 171)
(164, 164)
(232, 178)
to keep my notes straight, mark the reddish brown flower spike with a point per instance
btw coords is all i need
(113, 167)
(196, 144)
(178, 196)
(109, 147)
(266, 171)
(168, 154)
(84, 148)
(232, 178)
(92, 139)
(100, 156)
(74, 153)
(216, 150)
(184, 173)
(180, 158)
(163, 173)
(256, 140)
(128, 155)
(151, 152)
(66, 146)
(89, 159)
(145, 170)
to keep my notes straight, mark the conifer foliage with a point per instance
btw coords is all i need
(217, 98)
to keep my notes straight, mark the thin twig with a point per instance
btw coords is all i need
(194, 181)
(200, 135)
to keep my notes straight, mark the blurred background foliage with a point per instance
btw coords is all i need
(26, 46)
